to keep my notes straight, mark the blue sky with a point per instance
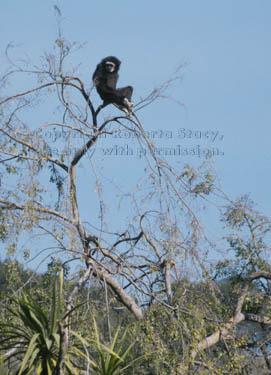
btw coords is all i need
(225, 88)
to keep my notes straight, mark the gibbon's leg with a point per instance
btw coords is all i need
(126, 93)
(123, 108)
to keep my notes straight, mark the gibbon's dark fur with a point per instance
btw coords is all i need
(105, 79)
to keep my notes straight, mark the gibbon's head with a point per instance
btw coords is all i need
(111, 64)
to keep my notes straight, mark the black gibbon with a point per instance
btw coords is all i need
(105, 79)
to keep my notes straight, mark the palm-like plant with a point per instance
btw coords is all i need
(112, 359)
(33, 341)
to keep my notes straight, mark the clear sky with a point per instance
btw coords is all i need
(226, 85)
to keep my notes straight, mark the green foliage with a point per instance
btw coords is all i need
(198, 184)
(3, 227)
(112, 359)
(3, 369)
(248, 237)
(34, 338)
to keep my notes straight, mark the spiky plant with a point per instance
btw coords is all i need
(33, 341)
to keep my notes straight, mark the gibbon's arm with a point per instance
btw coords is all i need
(112, 80)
